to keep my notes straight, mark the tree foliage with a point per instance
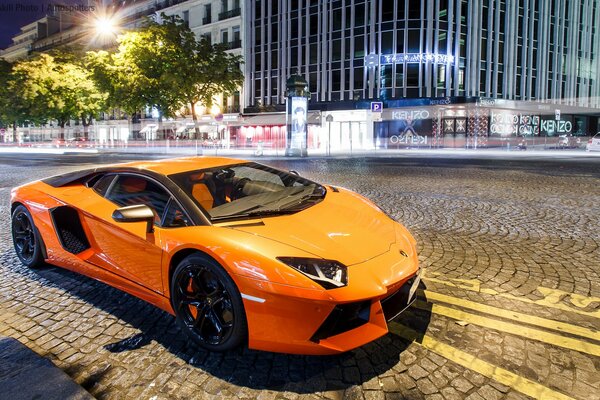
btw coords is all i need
(60, 91)
(12, 111)
(164, 65)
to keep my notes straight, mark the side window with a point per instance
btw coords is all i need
(174, 216)
(131, 190)
(103, 184)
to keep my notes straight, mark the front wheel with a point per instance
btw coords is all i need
(207, 304)
(26, 238)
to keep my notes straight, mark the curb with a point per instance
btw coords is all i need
(25, 375)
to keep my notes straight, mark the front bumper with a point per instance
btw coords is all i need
(300, 325)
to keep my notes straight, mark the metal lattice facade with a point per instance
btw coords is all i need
(392, 49)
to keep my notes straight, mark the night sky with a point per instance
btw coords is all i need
(16, 13)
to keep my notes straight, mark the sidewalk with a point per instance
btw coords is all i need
(24, 375)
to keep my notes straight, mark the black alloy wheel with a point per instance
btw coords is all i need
(26, 238)
(207, 304)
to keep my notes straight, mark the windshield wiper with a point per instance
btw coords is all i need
(302, 200)
(254, 213)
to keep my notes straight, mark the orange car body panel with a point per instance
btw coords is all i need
(284, 308)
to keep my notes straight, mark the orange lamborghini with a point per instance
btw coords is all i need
(239, 252)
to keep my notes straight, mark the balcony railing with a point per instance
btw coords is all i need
(167, 3)
(206, 20)
(230, 14)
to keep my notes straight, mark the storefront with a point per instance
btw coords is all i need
(481, 122)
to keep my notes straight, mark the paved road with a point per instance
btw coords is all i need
(511, 307)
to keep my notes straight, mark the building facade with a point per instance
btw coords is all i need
(440, 67)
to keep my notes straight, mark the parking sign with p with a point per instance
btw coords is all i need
(376, 106)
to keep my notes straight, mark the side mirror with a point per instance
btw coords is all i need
(294, 172)
(137, 213)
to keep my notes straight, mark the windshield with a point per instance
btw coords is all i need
(248, 190)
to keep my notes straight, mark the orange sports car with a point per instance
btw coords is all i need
(239, 252)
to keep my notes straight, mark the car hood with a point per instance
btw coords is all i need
(344, 227)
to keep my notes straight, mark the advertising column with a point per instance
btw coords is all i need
(297, 112)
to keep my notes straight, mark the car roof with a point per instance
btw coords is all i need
(161, 167)
(177, 165)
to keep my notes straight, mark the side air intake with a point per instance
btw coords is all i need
(69, 230)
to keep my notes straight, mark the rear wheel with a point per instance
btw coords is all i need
(207, 304)
(26, 238)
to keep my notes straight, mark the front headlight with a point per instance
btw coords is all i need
(327, 273)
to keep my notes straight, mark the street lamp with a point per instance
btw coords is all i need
(105, 26)
(329, 120)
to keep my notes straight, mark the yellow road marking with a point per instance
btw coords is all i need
(530, 333)
(552, 297)
(505, 377)
(515, 316)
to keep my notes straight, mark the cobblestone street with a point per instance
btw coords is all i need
(510, 307)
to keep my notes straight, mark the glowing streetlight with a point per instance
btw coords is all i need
(105, 26)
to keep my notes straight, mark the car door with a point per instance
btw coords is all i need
(126, 248)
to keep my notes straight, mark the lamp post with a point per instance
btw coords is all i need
(329, 120)
(105, 28)
(215, 110)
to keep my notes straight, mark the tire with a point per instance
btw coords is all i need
(207, 304)
(26, 238)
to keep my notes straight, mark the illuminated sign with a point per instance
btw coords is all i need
(298, 127)
(376, 106)
(415, 58)
(410, 115)
(551, 127)
(507, 124)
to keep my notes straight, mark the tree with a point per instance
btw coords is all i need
(60, 91)
(198, 70)
(165, 66)
(9, 113)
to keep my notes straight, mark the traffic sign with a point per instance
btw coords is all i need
(376, 106)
